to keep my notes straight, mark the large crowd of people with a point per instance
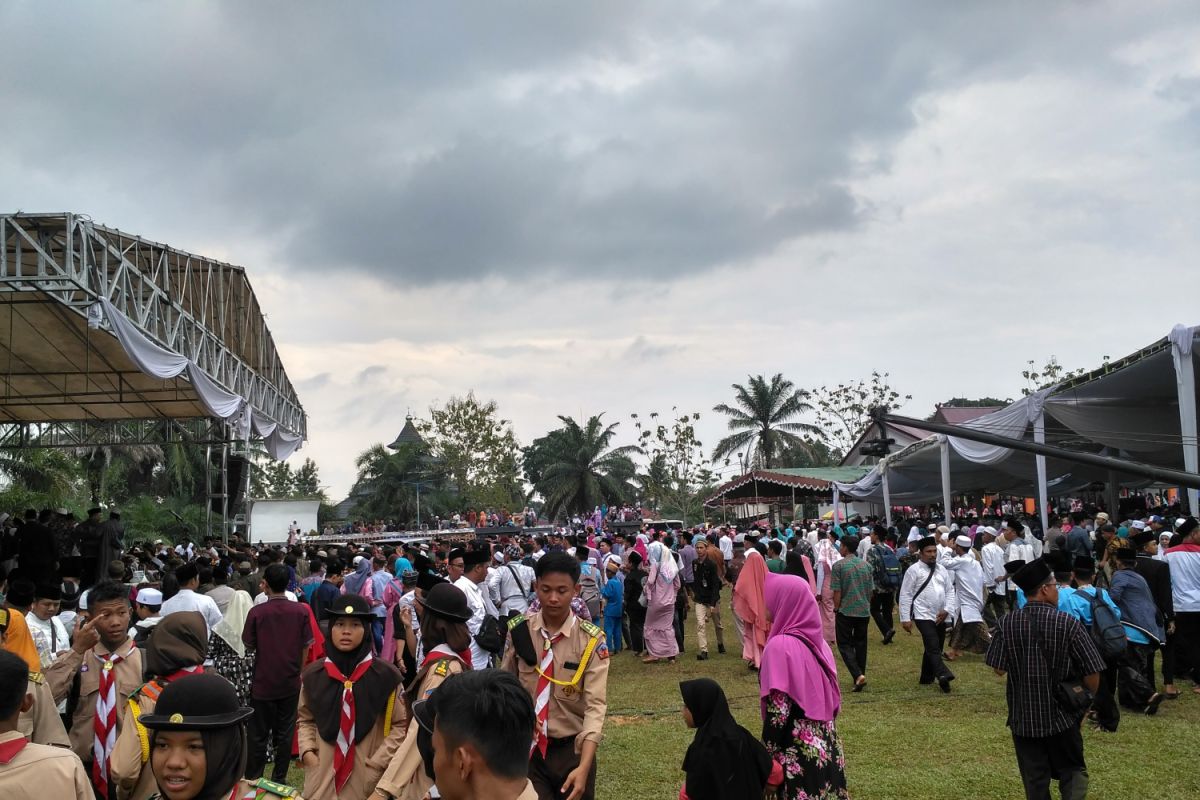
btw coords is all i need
(401, 671)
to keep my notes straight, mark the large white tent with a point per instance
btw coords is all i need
(1140, 408)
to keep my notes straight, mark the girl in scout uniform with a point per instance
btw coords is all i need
(40, 723)
(351, 717)
(177, 649)
(447, 644)
(198, 744)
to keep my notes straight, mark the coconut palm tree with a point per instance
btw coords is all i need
(763, 420)
(582, 472)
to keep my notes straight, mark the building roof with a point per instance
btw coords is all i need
(957, 415)
(814, 480)
(408, 435)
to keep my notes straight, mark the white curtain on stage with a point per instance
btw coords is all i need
(162, 363)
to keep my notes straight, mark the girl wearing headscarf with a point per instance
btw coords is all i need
(827, 554)
(197, 742)
(724, 761)
(661, 588)
(447, 645)
(226, 649)
(801, 567)
(360, 580)
(351, 716)
(799, 694)
(750, 608)
(177, 649)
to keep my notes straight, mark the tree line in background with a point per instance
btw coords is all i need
(470, 458)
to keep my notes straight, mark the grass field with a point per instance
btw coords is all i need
(901, 740)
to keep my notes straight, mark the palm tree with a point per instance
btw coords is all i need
(583, 472)
(764, 420)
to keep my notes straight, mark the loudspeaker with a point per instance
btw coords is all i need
(235, 469)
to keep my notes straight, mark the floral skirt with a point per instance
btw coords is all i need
(809, 752)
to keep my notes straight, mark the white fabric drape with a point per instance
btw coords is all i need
(887, 495)
(1181, 338)
(162, 363)
(944, 445)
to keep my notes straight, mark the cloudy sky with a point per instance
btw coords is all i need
(583, 207)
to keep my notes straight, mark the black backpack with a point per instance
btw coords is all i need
(1107, 631)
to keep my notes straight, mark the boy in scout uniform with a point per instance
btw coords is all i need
(29, 770)
(562, 661)
(203, 710)
(102, 668)
(39, 723)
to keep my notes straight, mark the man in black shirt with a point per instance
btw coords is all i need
(634, 579)
(1158, 576)
(1038, 648)
(706, 588)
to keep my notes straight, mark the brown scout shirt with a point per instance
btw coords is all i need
(40, 772)
(574, 710)
(405, 776)
(61, 674)
(42, 724)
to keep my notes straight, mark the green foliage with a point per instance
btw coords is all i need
(51, 476)
(843, 411)
(577, 468)
(476, 450)
(168, 518)
(387, 485)
(678, 467)
(763, 421)
(814, 453)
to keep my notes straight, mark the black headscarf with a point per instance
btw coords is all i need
(795, 565)
(225, 760)
(179, 640)
(724, 761)
(371, 691)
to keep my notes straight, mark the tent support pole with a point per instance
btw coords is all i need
(1185, 386)
(944, 445)
(887, 495)
(1039, 436)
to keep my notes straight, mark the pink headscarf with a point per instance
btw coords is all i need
(797, 659)
(748, 602)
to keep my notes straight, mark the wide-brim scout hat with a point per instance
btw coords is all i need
(447, 600)
(197, 703)
(350, 605)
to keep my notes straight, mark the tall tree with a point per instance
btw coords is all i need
(579, 468)
(677, 467)
(388, 485)
(843, 411)
(306, 481)
(476, 450)
(764, 420)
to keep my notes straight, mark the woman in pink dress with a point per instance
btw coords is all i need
(750, 607)
(662, 586)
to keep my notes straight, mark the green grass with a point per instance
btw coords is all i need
(901, 740)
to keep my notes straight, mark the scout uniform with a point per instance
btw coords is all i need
(207, 702)
(42, 724)
(566, 674)
(35, 771)
(131, 754)
(125, 666)
(336, 703)
(405, 777)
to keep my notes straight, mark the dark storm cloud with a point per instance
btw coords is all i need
(453, 142)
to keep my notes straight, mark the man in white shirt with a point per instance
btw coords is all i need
(49, 635)
(967, 574)
(510, 584)
(864, 544)
(187, 599)
(995, 579)
(475, 571)
(926, 600)
(725, 543)
(1015, 549)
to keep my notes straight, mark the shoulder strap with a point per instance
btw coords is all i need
(522, 639)
(912, 607)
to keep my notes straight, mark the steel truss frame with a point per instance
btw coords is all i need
(111, 433)
(199, 307)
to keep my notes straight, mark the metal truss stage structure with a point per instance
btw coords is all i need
(88, 315)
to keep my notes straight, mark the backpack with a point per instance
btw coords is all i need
(589, 592)
(887, 569)
(491, 635)
(1107, 631)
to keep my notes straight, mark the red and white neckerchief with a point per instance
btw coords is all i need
(10, 749)
(343, 751)
(444, 651)
(541, 706)
(183, 673)
(104, 724)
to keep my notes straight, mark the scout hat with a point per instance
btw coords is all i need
(350, 605)
(1032, 575)
(197, 703)
(447, 600)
